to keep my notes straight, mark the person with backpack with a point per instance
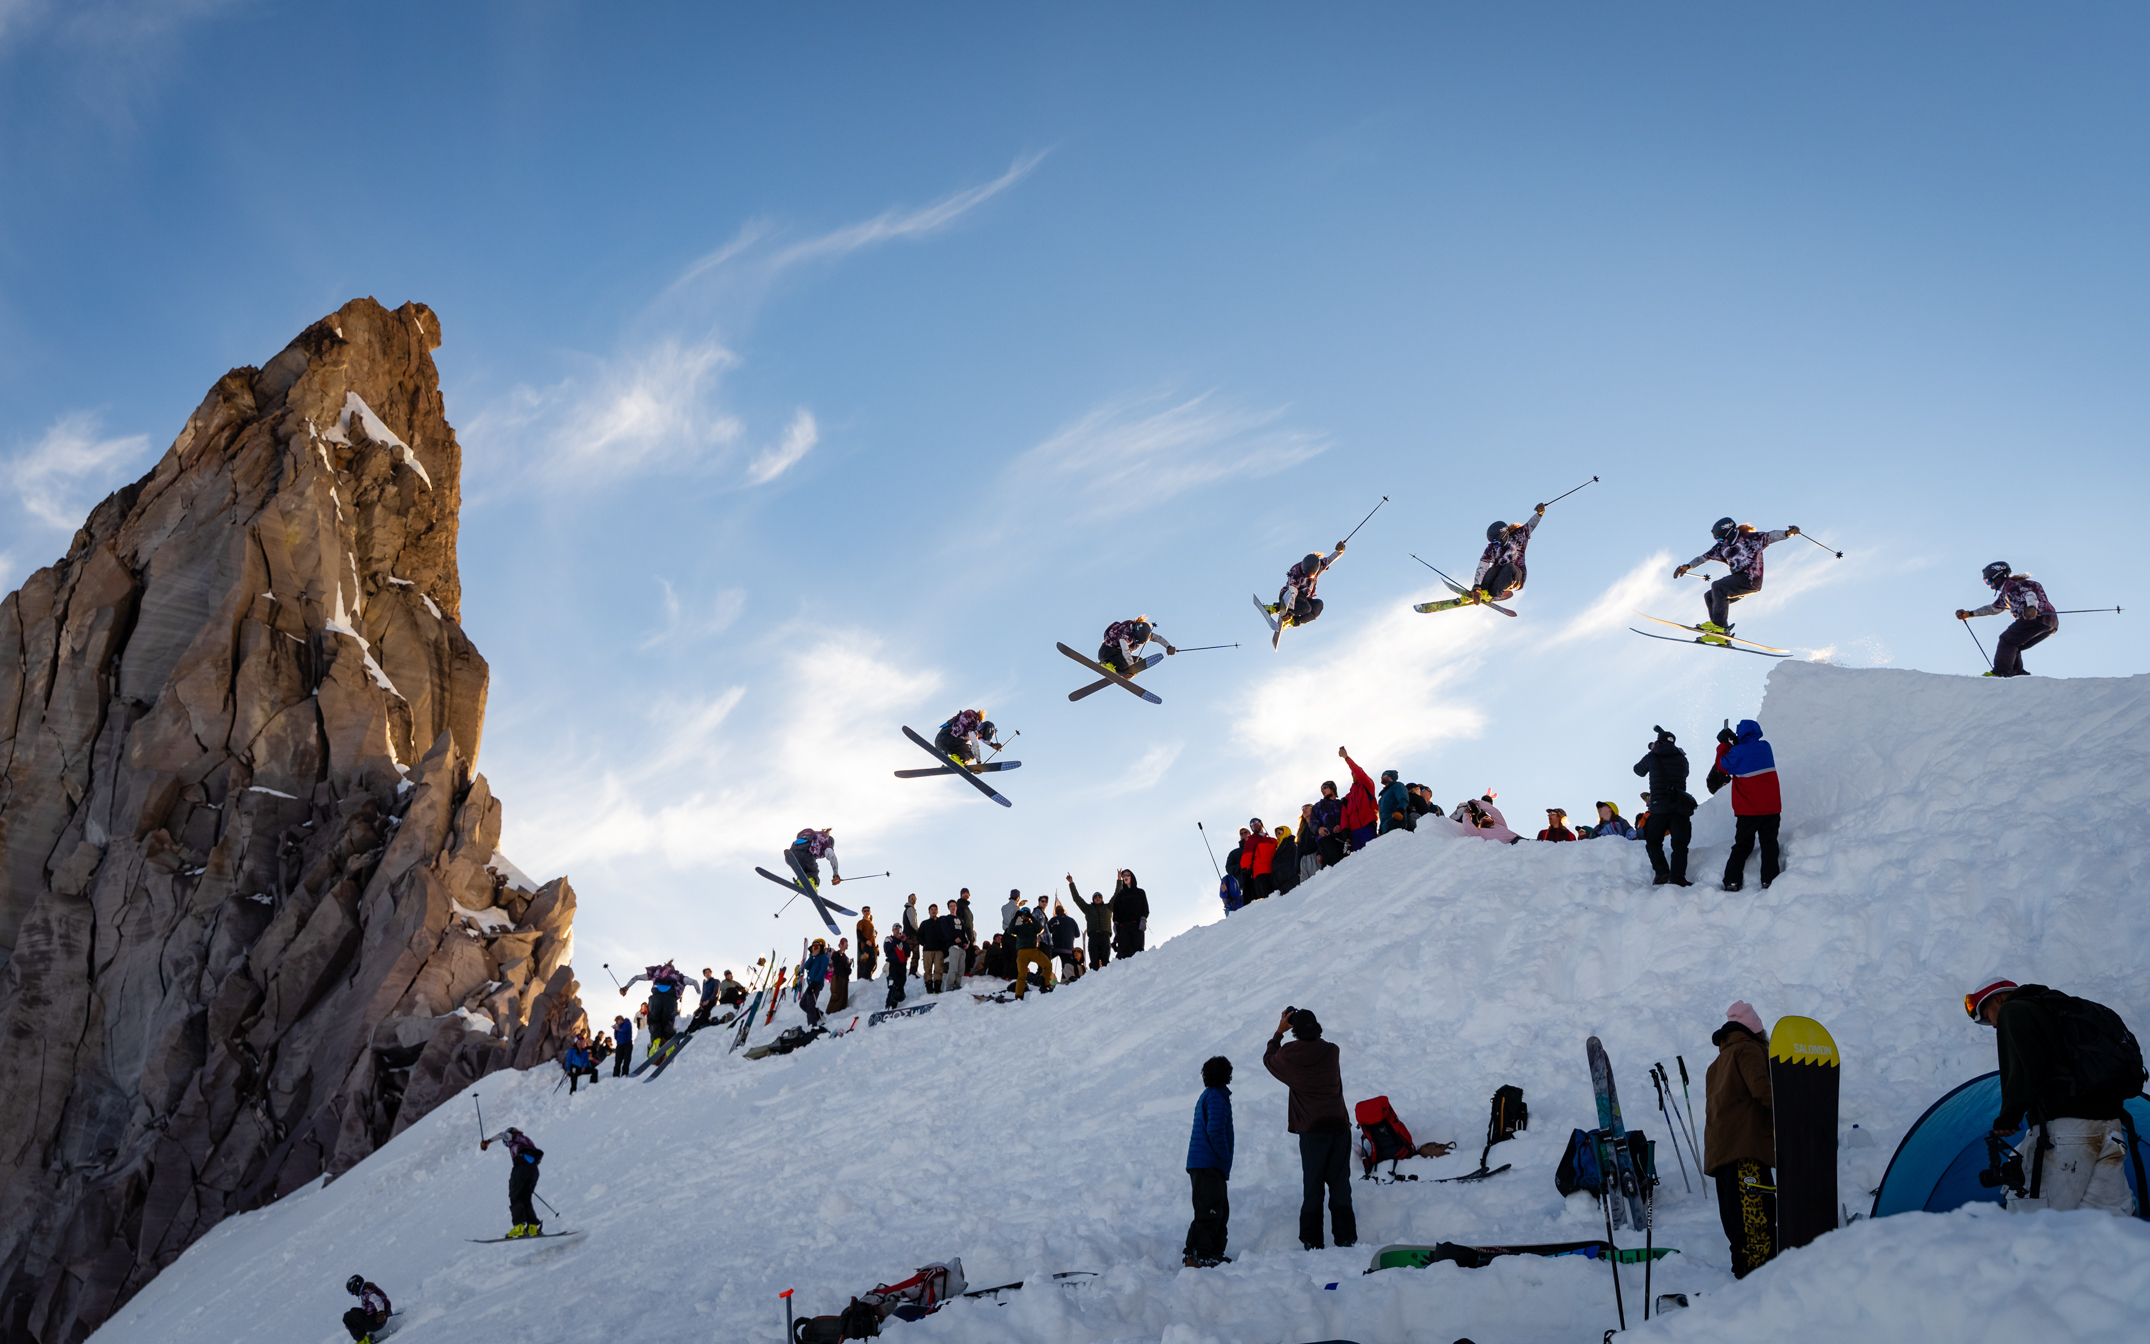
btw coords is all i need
(1739, 1138)
(2068, 1066)
(1757, 806)
(524, 1156)
(2022, 597)
(1738, 547)
(1671, 808)
(372, 1311)
(1026, 928)
(896, 953)
(1311, 1068)
(665, 984)
(1097, 923)
(1296, 603)
(1209, 1167)
(1130, 914)
(804, 855)
(1124, 641)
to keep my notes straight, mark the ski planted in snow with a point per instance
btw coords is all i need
(746, 1019)
(1101, 683)
(1627, 1200)
(1804, 1074)
(961, 770)
(888, 1013)
(989, 768)
(1108, 674)
(822, 904)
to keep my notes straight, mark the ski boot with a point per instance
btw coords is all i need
(1713, 633)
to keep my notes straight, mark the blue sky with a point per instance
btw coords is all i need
(817, 368)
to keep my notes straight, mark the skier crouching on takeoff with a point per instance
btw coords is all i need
(2022, 597)
(1739, 548)
(805, 854)
(1124, 642)
(964, 738)
(372, 1310)
(1296, 603)
(522, 1180)
(1500, 569)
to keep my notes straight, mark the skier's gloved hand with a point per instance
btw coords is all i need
(1793, 529)
(1679, 572)
(1170, 649)
(1962, 615)
(1539, 509)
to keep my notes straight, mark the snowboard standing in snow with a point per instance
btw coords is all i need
(1627, 1199)
(1804, 1075)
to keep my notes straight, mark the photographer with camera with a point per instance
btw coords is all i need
(2068, 1065)
(1672, 808)
(1310, 1067)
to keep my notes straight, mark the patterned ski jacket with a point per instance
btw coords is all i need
(519, 1146)
(1509, 548)
(373, 1301)
(1741, 552)
(1300, 581)
(2022, 597)
(1753, 768)
(817, 844)
(965, 724)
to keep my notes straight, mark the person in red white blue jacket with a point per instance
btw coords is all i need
(2022, 597)
(1756, 804)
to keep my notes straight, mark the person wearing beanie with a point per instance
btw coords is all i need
(1209, 1167)
(1394, 803)
(1739, 1144)
(2075, 1150)
(1311, 1068)
(1671, 807)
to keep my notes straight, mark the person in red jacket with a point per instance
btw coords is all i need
(1556, 825)
(1360, 812)
(1756, 804)
(1261, 853)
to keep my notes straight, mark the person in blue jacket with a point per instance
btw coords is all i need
(1394, 803)
(1209, 1167)
(812, 977)
(623, 1046)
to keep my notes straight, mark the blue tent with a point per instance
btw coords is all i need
(1936, 1166)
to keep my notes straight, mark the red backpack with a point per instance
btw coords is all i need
(1384, 1135)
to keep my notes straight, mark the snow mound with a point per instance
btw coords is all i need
(1937, 829)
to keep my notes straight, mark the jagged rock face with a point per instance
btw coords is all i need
(248, 920)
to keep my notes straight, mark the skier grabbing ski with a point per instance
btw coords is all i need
(804, 855)
(1296, 603)
(1121, 650)
(1739, 549)
(964, 738)
(522, 1179)
(372, 1311)
(2022, 597)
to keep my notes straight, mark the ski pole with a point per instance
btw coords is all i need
(1606, 1165)
(1212, 853)
(786, 1295)
(1362, 522)
(1981, 647)
(1657, 1080)
(2085, 611)
(778, 915)
(548, 1205)
(1678, 1120)
(1690, 1097)
(1203, 648)
(1557, 498)
(615, 979)
(1452, 582)
(1649, 1244)
(1826, 546)
(481, 1117)
(1003, 746)
(862, 877)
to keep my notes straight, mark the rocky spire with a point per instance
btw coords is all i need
(250, 922)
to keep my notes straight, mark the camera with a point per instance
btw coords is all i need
(1662, 735)
(2002, 1171)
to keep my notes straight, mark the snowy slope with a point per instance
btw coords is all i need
(1937, 829)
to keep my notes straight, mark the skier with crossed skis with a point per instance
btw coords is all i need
(964, 738)
(1739, 549)
(804, 855)
(1124, 642)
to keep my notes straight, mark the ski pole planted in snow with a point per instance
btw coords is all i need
(1607, 1167)
(1212, 853)
(1826, 546)
(1657, 1080)
(481, 1117)
(786, 1295)
(1362, 522)
(1557, 498)
(1981, 655)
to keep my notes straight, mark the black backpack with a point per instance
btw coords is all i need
(1509, 1115)
(2101, 1063)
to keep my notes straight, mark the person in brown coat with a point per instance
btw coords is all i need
(1311, 1068)
(1739, 1143)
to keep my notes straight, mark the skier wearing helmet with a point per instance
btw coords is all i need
(2022, 597)
(1739, 549)
(964, 738)
(372, 1311)
(1500, 569)
(1124, 642)
(805, 853)
(1296, 603)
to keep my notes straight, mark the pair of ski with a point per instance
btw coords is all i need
(822, 905)
(949, 766)
(890, 1014)
(494, 1241)
(1464, 597)
(761, 989)
(1730, 643)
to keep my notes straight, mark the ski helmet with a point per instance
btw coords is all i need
(355, 1285)
(1142, 630)
(1723, 527)
(1996, 573)
(1311, 563)
(987, 731)
(1496, 532)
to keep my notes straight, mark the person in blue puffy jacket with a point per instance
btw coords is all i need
(1757, 806)
(1209, 1167)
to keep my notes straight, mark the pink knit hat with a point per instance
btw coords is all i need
(1743, 1013)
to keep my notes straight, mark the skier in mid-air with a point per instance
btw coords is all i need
(1739, 549)
(1121, 650)
(805, 853)
(372, 1311)
(964, 738)
(1296, 603)
(1500, 567)
(2022, 597)
(665, 984)
(522, 1180)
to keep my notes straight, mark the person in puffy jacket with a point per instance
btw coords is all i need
(1259, 854)
(1556, 825)
(1130, 914)
(1756, 806)
(1611, 824)
(1361, 812)
(1209, 1167)
(1394, 803)
(1097, 923)
(1328, 819)
(623, 1046)
(1284, 864)
(2075, 1149)
(1739, 1144)
(576, 1061)
(1671, 808)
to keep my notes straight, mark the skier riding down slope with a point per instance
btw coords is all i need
(1296, 603)
(1739, 549)
(1124, 642)
(522, 1179)
(2068, 1065)
(805, 853)
(1500, 568)
(2022, 597)
(964, 738)
(372, 1311)
(665, 984)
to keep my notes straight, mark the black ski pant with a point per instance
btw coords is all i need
(663, 1019)
(1501, 576)
(1723, 593)
(621, 1060)
(1100, 950)
(1747, 830)
(2020, 635)
(895, 983)
(575, 1076)
(361, 1322)
(1681, 829)
(811, 1002)
(1304, 611)
(868, 959)
(1325, 1160)
(804, 866)
(953, 747)
(522, 1183)
(1212, 1213)
(1748, 1211)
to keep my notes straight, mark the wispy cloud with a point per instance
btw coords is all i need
(706, 617)
(59, 477)
(1127, 456)
(799, 438)
(1649, 586)
(654, 407)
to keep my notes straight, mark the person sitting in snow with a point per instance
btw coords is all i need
(2076, 1143)
(1739, 1138)
(372, 1311)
